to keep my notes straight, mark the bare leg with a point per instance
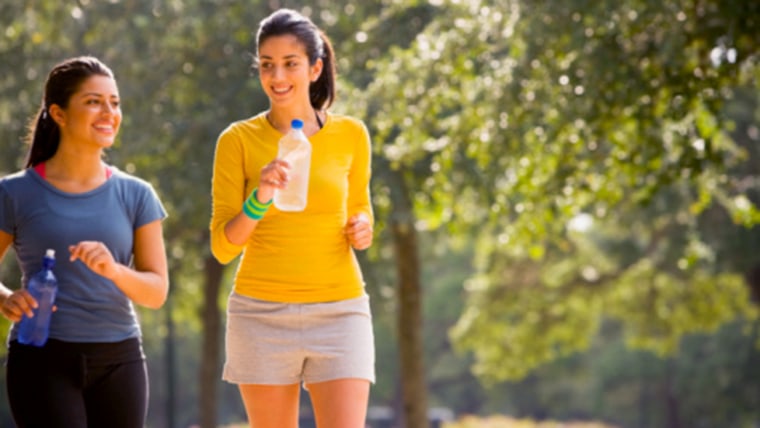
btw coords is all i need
(340, 403)
(271, 406)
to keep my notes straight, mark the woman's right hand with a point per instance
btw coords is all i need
(18, 304)
(273, 176)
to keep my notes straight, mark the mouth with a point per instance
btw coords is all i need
(103, 128)
(281, 90)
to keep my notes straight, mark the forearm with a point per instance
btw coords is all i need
(10, 310)
(230, 228)
(147, 283)
(146, 288)
(4, 293)
(240, 228)
(5, 243)
(228, 239)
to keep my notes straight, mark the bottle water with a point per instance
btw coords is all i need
(42, 286)
(295, 148)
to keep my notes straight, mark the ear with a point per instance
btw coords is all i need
(316, 70)
(56, 112)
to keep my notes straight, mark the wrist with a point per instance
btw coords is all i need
(264, 196)
(115, 273)
(253, 208)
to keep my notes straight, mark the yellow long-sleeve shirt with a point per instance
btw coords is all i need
(296, 257)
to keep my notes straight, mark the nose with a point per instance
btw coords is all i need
(277, 72)
(110, 108)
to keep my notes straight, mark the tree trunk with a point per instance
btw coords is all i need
(671, 401)
(413, 386)
(210, 348)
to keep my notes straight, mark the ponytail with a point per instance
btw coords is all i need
(43, 138)
(322, 91)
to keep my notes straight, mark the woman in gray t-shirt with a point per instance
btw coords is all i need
(105, 228)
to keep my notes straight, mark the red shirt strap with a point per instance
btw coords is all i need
(40, 169)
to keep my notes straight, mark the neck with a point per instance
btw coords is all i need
(75, 165)
(280, 119)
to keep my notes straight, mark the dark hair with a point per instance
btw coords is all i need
(317, 44)
(62, 82)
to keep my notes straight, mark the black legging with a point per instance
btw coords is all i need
(78, 385)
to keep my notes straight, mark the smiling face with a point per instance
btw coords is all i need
(285, 72)
(93, 114)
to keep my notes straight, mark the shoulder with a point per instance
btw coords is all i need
(135, 192)
(138, 197)
(243, 126)
(348, 128)
(129, 181)
(347, 122)
(17, 176)
(240, 136)
(18, 180)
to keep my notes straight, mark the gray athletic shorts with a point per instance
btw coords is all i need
(271, 343)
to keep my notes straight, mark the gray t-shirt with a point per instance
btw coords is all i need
(39, 216)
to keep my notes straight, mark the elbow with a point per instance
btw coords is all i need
(157, 304)
(221, 256)
(223, 250)
(158, 299)
(162, 298)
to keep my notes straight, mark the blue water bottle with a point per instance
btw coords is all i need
(42, 286)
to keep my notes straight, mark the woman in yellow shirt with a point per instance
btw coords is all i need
(298, 312)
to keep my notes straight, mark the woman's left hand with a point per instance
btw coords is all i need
(359, 231)
(96, 256)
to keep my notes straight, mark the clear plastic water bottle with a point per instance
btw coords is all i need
(295, 148)
(42, 286)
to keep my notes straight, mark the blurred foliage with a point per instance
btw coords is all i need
(513, 120)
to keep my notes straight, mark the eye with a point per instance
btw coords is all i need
(115, 103)
(265, 65)
(291, 64)
(93, 101)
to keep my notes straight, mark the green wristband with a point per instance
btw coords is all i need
(254, 209)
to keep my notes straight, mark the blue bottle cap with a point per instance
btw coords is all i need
(296, 124)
